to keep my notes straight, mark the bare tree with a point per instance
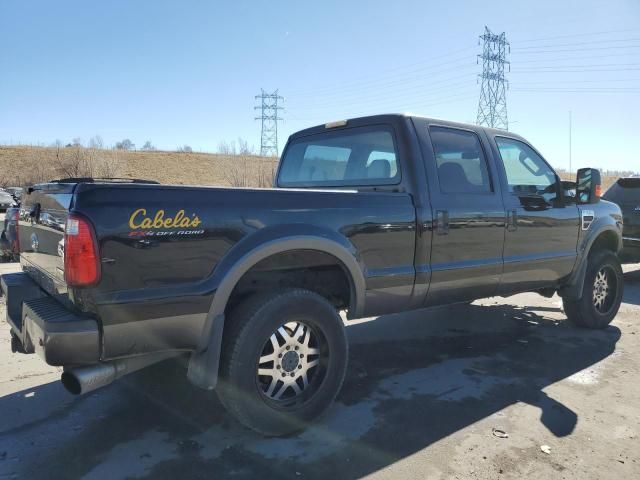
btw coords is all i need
(244, 148)
(76, 142)
(108, 165)
(238, 174)
(148, 146)
(75, 164)
(227, 148)
(96, 142)
(38, 174)
(185, 149)
(266, 175)
(125, 144)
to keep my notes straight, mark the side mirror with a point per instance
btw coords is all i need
(589, 186)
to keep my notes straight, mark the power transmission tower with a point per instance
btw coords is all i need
(269, 116)
(492, 108)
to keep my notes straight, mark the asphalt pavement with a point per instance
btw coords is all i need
(501, 388)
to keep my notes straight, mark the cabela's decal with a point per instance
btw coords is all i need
(143, 225)
(140, 220)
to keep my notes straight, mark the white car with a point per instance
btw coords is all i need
(6, 201)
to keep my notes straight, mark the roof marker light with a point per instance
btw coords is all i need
(338, 123)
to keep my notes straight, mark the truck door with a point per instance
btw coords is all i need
(542, 231)
(469, 216)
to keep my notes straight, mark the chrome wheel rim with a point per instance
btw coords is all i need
(290, 365)
(604, 290)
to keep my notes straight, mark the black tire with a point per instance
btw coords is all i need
(249, 330)
(584, 312)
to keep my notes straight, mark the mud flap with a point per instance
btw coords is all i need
(204, 366)
(573, 289)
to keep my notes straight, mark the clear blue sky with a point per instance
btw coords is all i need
(186, 72)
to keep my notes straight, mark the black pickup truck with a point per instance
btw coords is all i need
(369, 216)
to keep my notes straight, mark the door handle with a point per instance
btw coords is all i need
(512, 220)
(442, 222)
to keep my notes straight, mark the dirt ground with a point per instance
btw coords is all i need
(423, 394)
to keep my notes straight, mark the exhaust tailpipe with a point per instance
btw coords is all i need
(81, 380)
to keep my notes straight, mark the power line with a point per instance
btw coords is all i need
(384, 80)
(404, 77)
(579, 90)
(397, 93)
(492, 107)
(414, 105)
(398, 85)
(269, 122)
(617, 47)
(593, 65)
(566, 57)
(374, 86)
(537, 47)
(583, 34)
(393, 101)
(583, 81)
(401, 70)
(574, 70)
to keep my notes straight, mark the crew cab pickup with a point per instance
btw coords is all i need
(368, 216)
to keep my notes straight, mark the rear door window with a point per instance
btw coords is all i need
(352, 157)
(461, 163)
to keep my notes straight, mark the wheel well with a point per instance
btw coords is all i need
(607, 240)
(312, 270)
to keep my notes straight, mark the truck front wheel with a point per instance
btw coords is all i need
(283, 362)
(601, 292)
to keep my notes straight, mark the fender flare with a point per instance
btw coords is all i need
(573, 288)
(205, 361)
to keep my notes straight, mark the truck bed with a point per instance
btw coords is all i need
(158, 279)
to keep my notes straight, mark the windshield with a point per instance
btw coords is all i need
(351, 157)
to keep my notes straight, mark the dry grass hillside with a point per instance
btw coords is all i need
(21, 165)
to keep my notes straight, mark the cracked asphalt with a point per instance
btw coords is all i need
(423, 394)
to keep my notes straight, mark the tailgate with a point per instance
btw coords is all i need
(41, 231)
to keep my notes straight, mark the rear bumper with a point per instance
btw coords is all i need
(44, 326)
(630, 249)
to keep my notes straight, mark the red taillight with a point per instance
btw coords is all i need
(81, 258)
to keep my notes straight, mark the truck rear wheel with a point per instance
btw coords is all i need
(601, 292)
(283, 362)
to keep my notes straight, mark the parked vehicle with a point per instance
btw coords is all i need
(373, 215)
(626, 193)
(6, 201)
(9, 247)
(16, 193)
